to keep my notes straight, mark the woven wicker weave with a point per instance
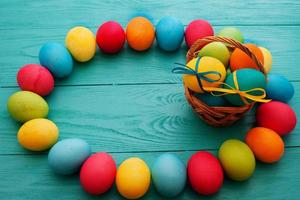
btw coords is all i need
(218, 116)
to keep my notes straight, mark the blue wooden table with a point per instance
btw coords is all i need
(130, 104)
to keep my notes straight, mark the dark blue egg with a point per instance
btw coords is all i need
(279, 88)
(67, 156)
(211, 100)
(168, 175)
(169, 33)
(57, 59)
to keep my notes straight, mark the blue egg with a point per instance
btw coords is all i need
(169, 33)
(279, 88)
(57, 59)
(169, 175)
(67, 156)
(211, 100)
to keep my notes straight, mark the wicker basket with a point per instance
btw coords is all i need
(218, 116)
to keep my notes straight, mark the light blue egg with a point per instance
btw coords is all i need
(279, 88)
(57, 59)
(67, 156)
(211, 100)
(169, 33)
(168, 175)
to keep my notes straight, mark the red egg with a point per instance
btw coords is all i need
(110, 37)
(205, 173)
(278, 116)
(35, 78)
(197, 29)
(98, 173)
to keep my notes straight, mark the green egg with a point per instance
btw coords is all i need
(25, 105)
(247, 79)
(237, 160)
(233, 33)
(216, 50)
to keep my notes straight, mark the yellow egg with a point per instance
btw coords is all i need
(38, 134)
(81, 43)
(206, 64)
(267, 59)
(133, 178)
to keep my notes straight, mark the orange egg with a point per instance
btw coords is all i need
(266, 144)
(140, 33)
(240, 59)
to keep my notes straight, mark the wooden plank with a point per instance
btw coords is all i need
(153, 66)
(53, 14)
(130, 118)
(29, 177)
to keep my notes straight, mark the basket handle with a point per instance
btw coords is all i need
(231, 43)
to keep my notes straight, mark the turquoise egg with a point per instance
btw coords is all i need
(279, 88)
(169, 175)
(67, 156)
(247, 79)
(57, 59)
(211, 100)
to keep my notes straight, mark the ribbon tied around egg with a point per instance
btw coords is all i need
(245, 95)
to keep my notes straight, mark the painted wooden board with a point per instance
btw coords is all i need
(130, 104)
(153, 66)
(32, 179)
(131, 118)
(56, 13)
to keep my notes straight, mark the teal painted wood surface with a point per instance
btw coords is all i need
(133, 105)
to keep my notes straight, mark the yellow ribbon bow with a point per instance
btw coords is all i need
(243, 94)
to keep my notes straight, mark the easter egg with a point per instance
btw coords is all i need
(197, 29)
(217, 50)
(204, 64)
(56, 58)
(265, 143)
(81, 43)
(67, 156)
(237, 160)
(25, 105)
(35, 78)
(110, 37)
(168, 175)
(98, 173)
(205, 173)
(38, 134)
(133, 178)
(267, 59)
(169, 33)
(278, 116)
(210, 100)
(231, 32)
(279, 88)
(240, 59)
(140, 34)
(247, 79)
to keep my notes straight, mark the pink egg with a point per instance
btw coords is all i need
(205, 173)
(278, 116)
(98, 173)
(197, 29)
(35, 78)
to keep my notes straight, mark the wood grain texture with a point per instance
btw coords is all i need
(131, 118)
(153, 66)
(130, 104)
(67, 13)
(31, 178)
